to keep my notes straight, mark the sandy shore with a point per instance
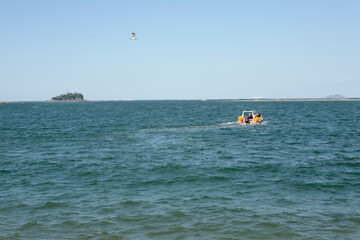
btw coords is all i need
(294, 99)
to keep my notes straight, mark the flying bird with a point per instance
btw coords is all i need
(133, 37)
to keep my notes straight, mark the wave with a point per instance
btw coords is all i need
(194, 127)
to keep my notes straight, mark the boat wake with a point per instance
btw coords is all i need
(192, 128)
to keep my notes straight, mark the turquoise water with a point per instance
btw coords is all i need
(179, 170)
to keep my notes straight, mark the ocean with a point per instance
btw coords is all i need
(179, 170)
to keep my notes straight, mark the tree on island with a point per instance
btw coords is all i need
(69, 97)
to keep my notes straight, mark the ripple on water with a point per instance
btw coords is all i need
(131, 170)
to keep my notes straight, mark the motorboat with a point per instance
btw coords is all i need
(250, 117)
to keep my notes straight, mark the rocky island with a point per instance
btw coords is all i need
(69, 97)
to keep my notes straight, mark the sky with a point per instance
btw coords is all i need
(189, 49)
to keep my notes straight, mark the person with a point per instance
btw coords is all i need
(258, 118)
(250, 116)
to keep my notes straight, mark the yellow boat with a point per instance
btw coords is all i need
(250, 117)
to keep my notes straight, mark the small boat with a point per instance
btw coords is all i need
(250, 117)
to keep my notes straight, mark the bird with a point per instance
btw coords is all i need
(133, 37)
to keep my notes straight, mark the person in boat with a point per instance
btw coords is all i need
(250, 116)
(247, 120)
(257, 117)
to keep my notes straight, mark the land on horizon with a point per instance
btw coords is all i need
(209, 99)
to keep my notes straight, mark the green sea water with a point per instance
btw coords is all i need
(179, 170)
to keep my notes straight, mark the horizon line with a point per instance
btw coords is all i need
(199, 99)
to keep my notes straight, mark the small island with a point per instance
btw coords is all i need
(336, 96)
(69, 97)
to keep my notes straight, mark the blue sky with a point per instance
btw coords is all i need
(185, 49)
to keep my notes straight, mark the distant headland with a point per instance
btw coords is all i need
(336, 96)
(68, 97)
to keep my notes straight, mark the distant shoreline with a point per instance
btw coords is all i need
(300, 99)
(76, 100)
(204, 100)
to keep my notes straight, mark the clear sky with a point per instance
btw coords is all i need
(188, 49)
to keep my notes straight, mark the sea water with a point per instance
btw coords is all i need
(179, 170)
